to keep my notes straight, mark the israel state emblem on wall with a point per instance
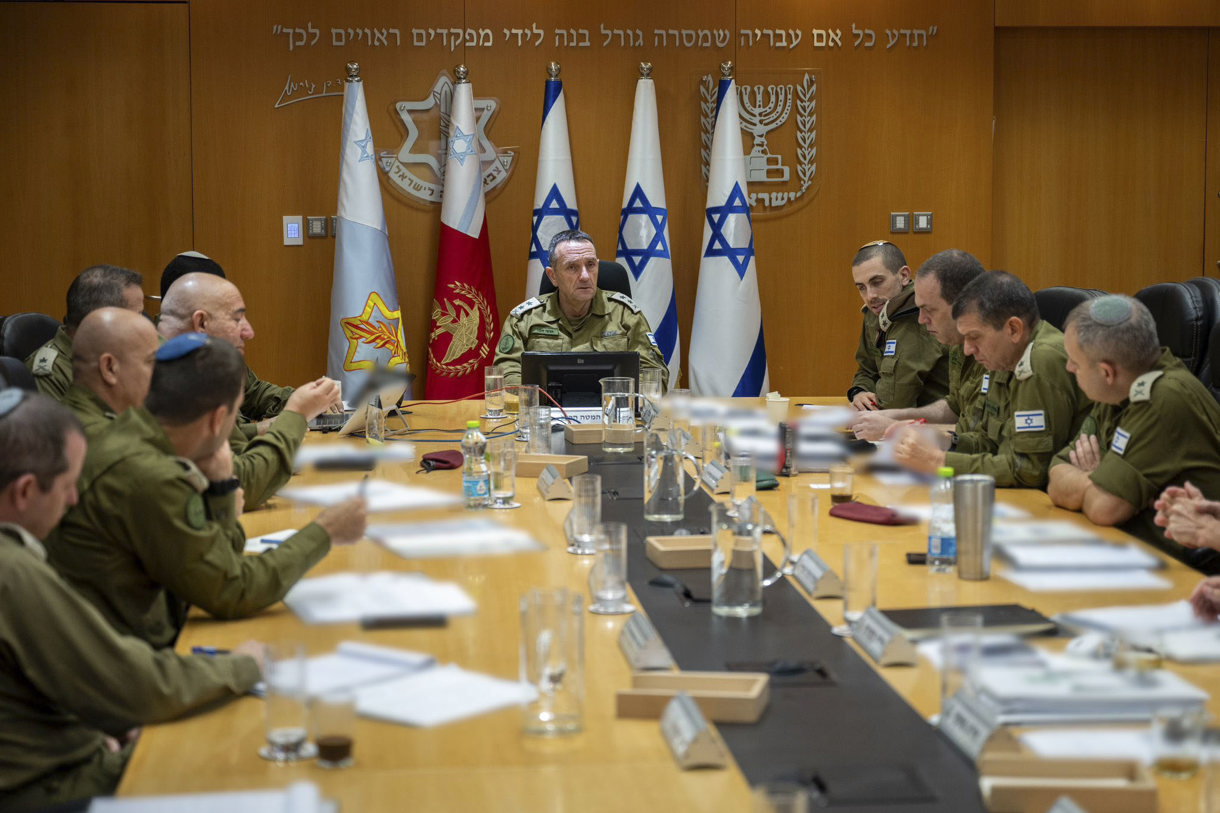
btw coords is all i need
(466, 317)
(417, 169)
(780, 119)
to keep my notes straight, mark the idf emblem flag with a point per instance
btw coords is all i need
(365, 321)
(643, 230)
(461, 340)
(554, 190)
(727, 354)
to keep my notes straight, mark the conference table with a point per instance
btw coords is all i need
(487, 763)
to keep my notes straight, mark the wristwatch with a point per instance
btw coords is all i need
(221, 488)
(952, 439)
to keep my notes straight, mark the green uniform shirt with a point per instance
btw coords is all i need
(94, 413)
(66, 676)
(897, 359)
(1166, 432)
(614, 323)
(51, 365)
(144, 540)
(263, 400)
(264, 463)
(968, 383)
(1027, 416)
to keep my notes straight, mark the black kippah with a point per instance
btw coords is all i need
(189, 262)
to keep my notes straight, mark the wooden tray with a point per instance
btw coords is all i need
(531, 465)
(723, 697)
(679, 552)
(1028, 784)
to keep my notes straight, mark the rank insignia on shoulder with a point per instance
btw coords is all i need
(1119, 444)
(44, 362)
(526, 306)
(1141, 388)
(1033, 420)
(619, 296)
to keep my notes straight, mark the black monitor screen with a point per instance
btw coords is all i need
(573, 379)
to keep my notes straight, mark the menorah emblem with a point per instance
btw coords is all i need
(759, 118)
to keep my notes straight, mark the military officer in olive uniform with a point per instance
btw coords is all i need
(1153, 425)
(98, 286)
(1032, 406)
(577, 316)
(937, 283)
(899, 365)
(263, 453)
(156, 527)
(112, 363)
(71, 687)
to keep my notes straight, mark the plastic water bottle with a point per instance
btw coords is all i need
(942, 536)
(476, 476)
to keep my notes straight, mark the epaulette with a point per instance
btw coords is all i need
(619, 296)
(44, 361)
(1141, 388)
(192, 474)
(526, 306)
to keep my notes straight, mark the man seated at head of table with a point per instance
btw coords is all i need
(937, 283)
(71, 686)
(1153, 424)
(577, 315)
(899, 365)
(112, 363)
(98, 286)
(156, 526)
(1032, 406)
(206, 303)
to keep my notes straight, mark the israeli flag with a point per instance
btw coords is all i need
(727, 354)
(554, 189)
(643, 229)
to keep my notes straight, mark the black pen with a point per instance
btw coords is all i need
(208, 650)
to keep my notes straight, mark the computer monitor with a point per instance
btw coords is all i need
(573, 379)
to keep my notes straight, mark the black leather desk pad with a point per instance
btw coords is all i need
(841, 730)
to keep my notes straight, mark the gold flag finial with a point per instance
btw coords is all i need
(353, 71)
(552, 70)
(461, 73)
(645, 70)
(726, 69)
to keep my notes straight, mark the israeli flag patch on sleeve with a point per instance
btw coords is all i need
(1033, 420)
(891, 347)
(653, 341)
(1119, 444)
(986, 383)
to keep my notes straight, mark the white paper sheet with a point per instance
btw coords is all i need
(266, 542)
(382, 495)
(312, 454)
(1108, 743)
(923, 511)
(1085, 556)
(355, 664)
(1072, 580)
(440, 695)
(459, 537)
(1041, 531)
(350, 597)
(299, 797)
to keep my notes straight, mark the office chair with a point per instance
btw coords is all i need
(1054, 304)
(611, 276)
(14, 373)
(1181, 320)
(23, 333)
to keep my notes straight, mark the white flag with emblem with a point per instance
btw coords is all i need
(554, 189)
(643, 230)
(365, 321)
(727, 354)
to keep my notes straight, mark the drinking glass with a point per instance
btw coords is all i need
(618, 414)
(284, 707)
(539, 430)
(334, 726)
(503, 460)
(527, 400)
(608, 576)
(743, 479)
(552, 660)
(493, 392)
(840, 483)
(581, 525)
(959, 639)
(859, 583)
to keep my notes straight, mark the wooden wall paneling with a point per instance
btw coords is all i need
(1106, 13)
(1211, 189)
(255, 163)
(1099, 155)
(95, 151)
(899, 129)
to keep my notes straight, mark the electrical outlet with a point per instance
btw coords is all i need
(900, 222)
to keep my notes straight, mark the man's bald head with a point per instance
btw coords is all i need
(205, 303)
(113, 354)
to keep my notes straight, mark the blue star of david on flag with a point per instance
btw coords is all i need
(637, 258)
(553, 205)
(461, 145)
(718, 218)
(364, 144)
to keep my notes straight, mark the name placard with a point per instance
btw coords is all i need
(552, 485)
(690, 738)
(642, 646)
(812, 573)
(1065, 804)
(715, 477)
(967, 724)
(883, 640)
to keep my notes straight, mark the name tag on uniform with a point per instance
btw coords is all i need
(1033, 420)
(891, 347)
(1119, 444)
(986, 383)
(609, 333)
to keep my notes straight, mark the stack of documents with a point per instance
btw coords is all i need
(354, 664)
(457, 537)
(382, 495)
(356, 454)
(1057, 555)
(1066, 692)
(1171, 629)
(299, 797)
(364, 597)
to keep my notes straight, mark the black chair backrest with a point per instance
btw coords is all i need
(611, 276)
(1181, 320)
(1209, 371)
(1054, 304)
(23, 333)
(14, 373)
